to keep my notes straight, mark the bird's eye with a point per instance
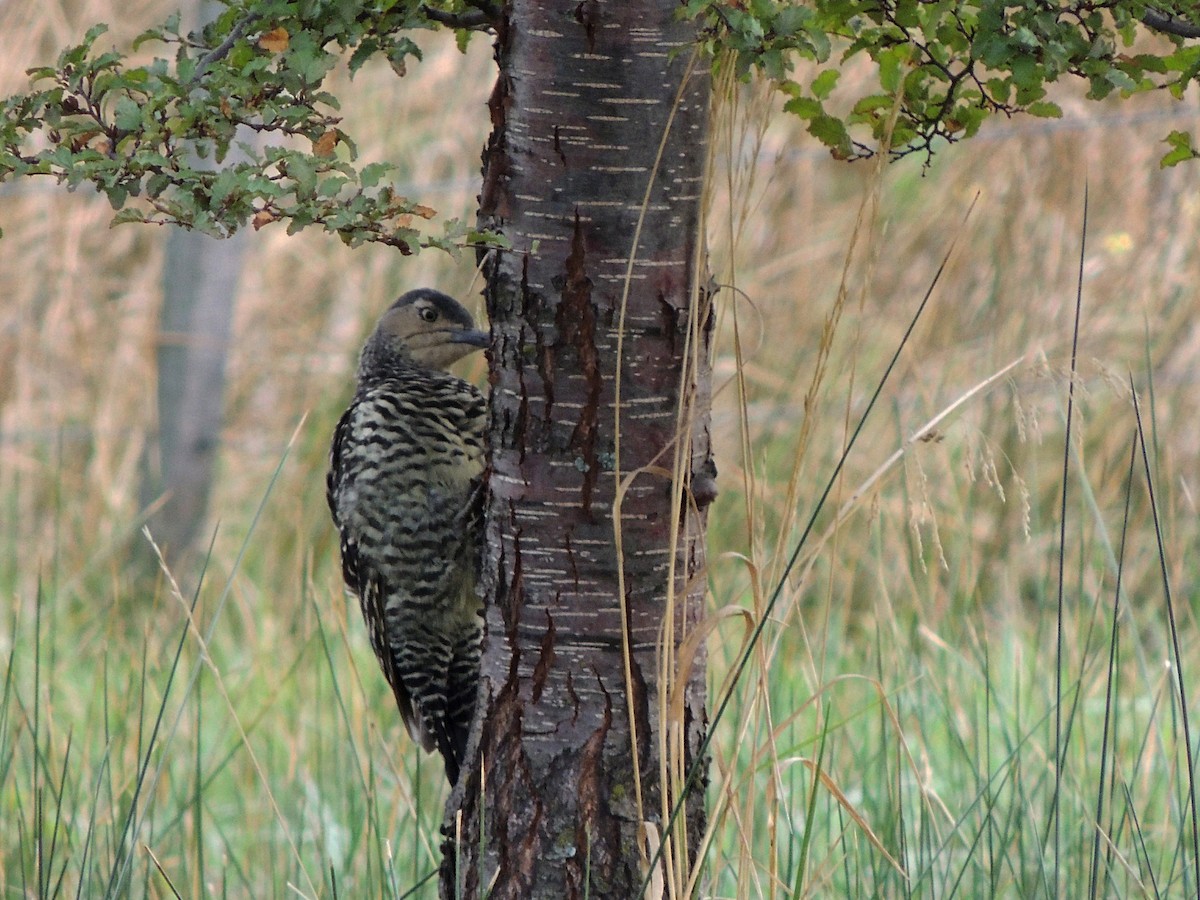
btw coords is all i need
(428, 314)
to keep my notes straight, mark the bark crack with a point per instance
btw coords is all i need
(571, 558)
(518, 807)
(576, 321)
(545, 660)
(493, 198)
(587, 14)
(515, 598)
(575, 700)
(558, 147)
(670, 321)
(641, 711)
(596, 837)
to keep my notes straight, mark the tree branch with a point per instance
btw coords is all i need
(487, 7)
(480, 18)
(221, 50)
(1167, 24)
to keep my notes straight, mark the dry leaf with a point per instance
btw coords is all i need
(79, 141)
(263, 217)
(323, 146)
(424, 212)
(275, 40)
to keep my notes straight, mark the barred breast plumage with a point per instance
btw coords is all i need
(404, 491)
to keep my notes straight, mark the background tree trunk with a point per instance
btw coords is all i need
(200, 283)
(565, 793)
(200, 279)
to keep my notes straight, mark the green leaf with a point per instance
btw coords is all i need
(831, 132)
(890, 63)
(330, 187)
(373, 173)
(156, 184)
(487, 239)
(999, 89)
(127, 215)
(117, 195)
(127, 114)
(804, 107)
(1045, 110)
(1026, 72)
(874, 103)
(823, 84)
(362, 53)
(185, 69)
(1119, 79)
(1180, 143)
(1149, 63)
(92, 33)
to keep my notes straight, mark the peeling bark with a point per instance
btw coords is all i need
(585, 94)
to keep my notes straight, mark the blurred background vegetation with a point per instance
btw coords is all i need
(230, 747)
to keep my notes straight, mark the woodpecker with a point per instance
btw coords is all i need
(404, 489)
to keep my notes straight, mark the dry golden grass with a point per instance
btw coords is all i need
(81, 298)
(953, 554)
(79, 322)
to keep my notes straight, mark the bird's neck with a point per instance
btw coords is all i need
(380, 363)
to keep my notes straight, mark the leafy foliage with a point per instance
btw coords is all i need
(943, 66)
(180, 133)
(1180, 143)
(236, 126)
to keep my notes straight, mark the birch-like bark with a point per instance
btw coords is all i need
(594, 172)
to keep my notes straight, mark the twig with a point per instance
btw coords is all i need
(469, 20)
(222, 49)
(1167, 24)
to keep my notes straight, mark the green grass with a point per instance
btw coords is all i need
(245, 745)
(233, 740)
(226, 750)
(930, 713)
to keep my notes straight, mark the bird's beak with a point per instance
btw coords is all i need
(471, 336)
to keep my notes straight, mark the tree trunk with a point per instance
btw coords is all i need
(588, 619)
(200, 279)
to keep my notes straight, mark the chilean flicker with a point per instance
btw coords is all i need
(404, 491)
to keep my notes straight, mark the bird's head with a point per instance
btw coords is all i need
(424, 327)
